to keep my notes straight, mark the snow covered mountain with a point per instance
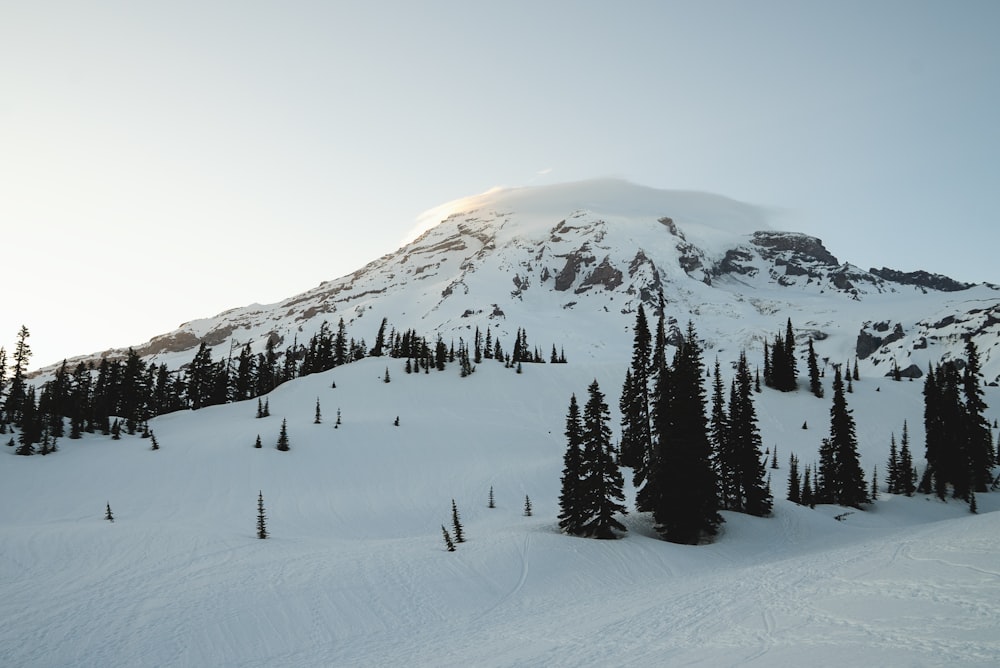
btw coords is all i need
(355, 572)
(579, 258)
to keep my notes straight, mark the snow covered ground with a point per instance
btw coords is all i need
(356, 574)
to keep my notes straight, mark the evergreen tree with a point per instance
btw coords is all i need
(808, 498)
(107, 512)
(154, 444)
(892, 477)
(906, 482)
(719, 434)
(636, 440)
(377, 349)
(449, 545)
(681, 488)
(257, 443)
(260, 408)
(794, 484)
(873, 495)
(791, 371)
(980, 442)
(385, 378)
(283, 436)
(261, 517)
(456, 523)
(16, 394)
(572, 509)
(814, 383)
(601, 481)
(319, 416)
(752, 496)
(845, 483)
(527, 506)
(491, 503)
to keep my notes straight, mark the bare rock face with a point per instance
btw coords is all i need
(794, 247)
(603, 275)
(868, 342)
(921, 279)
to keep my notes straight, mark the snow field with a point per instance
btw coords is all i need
(355, 573)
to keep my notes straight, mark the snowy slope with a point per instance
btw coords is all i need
(577, 259)
(355, 573)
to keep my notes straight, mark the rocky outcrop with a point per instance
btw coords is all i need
(921, 279)
(868, 342)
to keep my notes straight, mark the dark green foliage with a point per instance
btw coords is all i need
(601, 479)
(636, 437)
(815, 386)
(257, 443)
(319, 415)
(283, 444)
(386, 378)
(527, 506)
(449, 545)
(107, 512)
(261, 517)
(681, 487)
(752, 496)
(794, 493)
(491, 503)
(842, 480)
(456, 523)
(719, 433)
(808, 497)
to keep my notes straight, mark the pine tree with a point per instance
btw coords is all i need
(980, 442)
(267, 407)
(845, 483)
(794, 485)
(456, 523)
(808, 497)
(906, 482)
(257, 443)
(319, 416)
(752, 496)
(107, 512)
(572, 509)
(527, 506)
(636, 440)
(385, 378)
(815, 386)
(892, 477)
(723, 456)
(154, 444)
(283, 436)
(449, 545)
(337, 422)
(774, 458)
(873, 495)
(261, 517)
(491, 503)
(601, 480)
(681, 489)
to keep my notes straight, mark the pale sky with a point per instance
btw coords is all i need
(165, 161)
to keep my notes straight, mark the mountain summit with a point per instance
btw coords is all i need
(575, 261)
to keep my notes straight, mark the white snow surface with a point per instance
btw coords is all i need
(355, 572)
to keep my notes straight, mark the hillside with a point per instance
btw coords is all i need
(355, 572)
(579, 258)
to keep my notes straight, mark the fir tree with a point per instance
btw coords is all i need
(681, 488)
(261, 517)
(980, 442)
(337, 422)
(456, 523)
(906, 482)
(385, 378)
(154, 444)
(319, 416)
(267, 407)
(107, 512)
(844, 483)
(491, 503)
(572, 511)
(808, 498)
(794, 484)
(527, 506)
(257, 443)
(815, 386)
(892, 477)
(752, 496)
(283, 436)
(723, 455)
(601, 480)
(449, 545)
(636, 440)
(873, 495)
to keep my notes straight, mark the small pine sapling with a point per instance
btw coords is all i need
(267, 407)
(260, 408)
(448, 543)
(527, 506)
(261, 517)
(395, 423)
(319, 415)
(107, 512)
(154, 444)
(774, 458)
(456, 523)
(491, 503)
(337, 423)
(257, 443)
(385, 378)
(283, 436)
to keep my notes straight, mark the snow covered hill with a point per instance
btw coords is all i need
(355, 572)
(579, 258)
